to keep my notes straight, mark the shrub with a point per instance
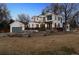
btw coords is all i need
(15, 35)
(29, 35)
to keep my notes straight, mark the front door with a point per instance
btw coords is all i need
(49, 25)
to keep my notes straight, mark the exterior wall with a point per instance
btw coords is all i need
(17, 24)
(33, 25)
(58, 21)
(53, 25)
(37, 18)
(45, 25)
(10, 29)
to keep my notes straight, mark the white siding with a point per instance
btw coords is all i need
(45, 25)
(33, 24)
(53, 20)
(17, 24)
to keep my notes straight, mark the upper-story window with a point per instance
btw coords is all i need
(59, 18)
(49, 17)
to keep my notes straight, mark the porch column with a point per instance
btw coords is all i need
(45, 25)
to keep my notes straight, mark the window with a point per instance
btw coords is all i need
(37, 18)
(32, 25)
(37, 25)
(29, 25)
(55, 17)
(61, 20)
(58, 25)
(43, 18)
(49, 17)
(55, 25)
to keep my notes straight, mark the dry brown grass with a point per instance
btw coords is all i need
(53, 44)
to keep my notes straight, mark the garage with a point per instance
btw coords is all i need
(17, 27)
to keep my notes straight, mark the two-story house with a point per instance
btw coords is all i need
(49, 21)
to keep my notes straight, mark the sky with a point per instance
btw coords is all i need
(32, 9)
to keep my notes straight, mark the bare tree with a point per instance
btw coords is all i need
(74, 21)
(4, 17)
(23, 18)
(65, 9)
(55, 8)
(4, 13)
(68, 10)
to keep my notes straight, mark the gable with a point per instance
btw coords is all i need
(17, 24)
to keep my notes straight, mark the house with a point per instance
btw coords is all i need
(49, 21)
(17, 26)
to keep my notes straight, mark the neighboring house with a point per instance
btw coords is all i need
(49, 20)
(17, 26)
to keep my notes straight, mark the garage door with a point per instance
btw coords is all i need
(16, 29)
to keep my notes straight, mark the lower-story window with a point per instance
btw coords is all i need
(32, 25)
(37, 25)
(58, 25)
(55, 25)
